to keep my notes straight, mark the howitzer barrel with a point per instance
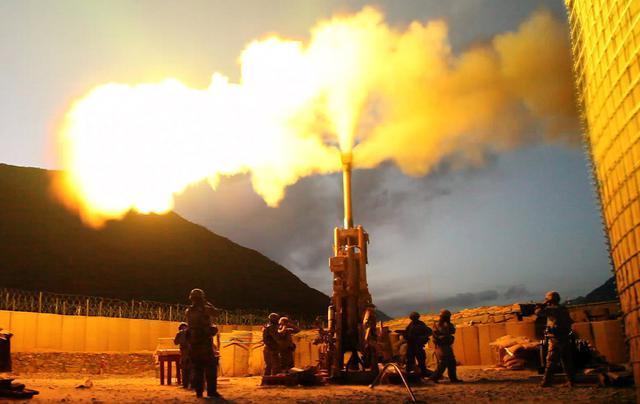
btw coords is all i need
(346, 185)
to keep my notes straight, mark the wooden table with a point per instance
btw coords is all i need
(167, 358)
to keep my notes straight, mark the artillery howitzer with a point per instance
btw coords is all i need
(353, 356)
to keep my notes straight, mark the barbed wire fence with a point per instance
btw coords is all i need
(77, 305)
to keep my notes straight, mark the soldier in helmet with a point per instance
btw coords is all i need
(270, 339)
(417, 335)
(203, 355)
(286, 329)
(443, 336)
(557, 333)
(185, 360)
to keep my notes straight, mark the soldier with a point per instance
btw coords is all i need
(286, 347)
(185, 361)
(271, 352)
(417, 335)
(443, 341)
(557, 334)
(203, 355)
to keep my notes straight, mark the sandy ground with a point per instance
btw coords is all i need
(479, 386)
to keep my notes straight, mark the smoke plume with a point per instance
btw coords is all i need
(358, 85)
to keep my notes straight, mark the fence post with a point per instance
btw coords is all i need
(87, 311)
(64, 307)
(100, 308)
(39, 302)
(56, 308)
(159, 313)
(170, 313)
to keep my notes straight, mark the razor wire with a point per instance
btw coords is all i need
(78, 305)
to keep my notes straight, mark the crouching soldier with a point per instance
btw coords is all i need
(417, 335)
(271, 350)
(203, 355)
(286, 347)
(443, 341)
(185, 360)
(557, 333)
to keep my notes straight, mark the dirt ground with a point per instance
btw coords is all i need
(479, 386)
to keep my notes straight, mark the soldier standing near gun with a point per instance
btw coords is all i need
(443, 341)
(270, 339)
(185, 361)
(286, 329)
(557, 334)
(417, 335)
(200, 332)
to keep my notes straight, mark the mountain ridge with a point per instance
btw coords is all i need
(152, 257)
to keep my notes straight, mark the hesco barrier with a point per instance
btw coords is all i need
(241, 346)
(35, 332)
(605, 36)
(55, 332)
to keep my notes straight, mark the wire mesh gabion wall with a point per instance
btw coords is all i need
(605, 36)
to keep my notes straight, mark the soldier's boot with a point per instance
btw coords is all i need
(197, 379)
(570, 380)
(424, 371)
(212, 379)
(546, 379)
(567, 366)
(437, 375)
(186, 378)
(452, 372)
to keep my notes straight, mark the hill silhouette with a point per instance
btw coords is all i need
(43, 246)
(603, 293)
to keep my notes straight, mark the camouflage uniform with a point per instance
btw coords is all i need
(185, 360)
(270, 339)
(557, 333)
(417, 335)
(443, 340)
(204, 357)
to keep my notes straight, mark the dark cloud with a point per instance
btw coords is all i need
(465, 300)
(298, 234)
(399, 304)
(517, 292)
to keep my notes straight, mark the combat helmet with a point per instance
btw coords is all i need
(197, 295)
(445, 314)
(273, 317)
